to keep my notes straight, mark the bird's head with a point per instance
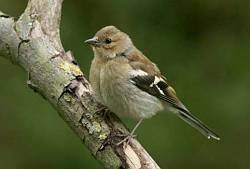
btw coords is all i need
(109, 42)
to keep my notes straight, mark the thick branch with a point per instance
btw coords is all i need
(33, 42)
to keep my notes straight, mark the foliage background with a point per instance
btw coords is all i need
(204, 45)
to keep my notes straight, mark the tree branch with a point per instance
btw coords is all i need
(33, 42)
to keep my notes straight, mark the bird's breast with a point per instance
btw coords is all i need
(122, 96)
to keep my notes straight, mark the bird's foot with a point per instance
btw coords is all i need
(125, 141)
(103, 111)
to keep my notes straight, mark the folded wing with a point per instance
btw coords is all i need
(158, 87)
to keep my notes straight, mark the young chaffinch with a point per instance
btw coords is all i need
(129, 84)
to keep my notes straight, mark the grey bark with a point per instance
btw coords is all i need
(33, 42)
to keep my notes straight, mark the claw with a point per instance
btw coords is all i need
(104, 111)
(130, 136)
(126, 140)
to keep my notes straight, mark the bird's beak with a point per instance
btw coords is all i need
(93, 41)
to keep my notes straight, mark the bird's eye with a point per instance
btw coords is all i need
(108, 41)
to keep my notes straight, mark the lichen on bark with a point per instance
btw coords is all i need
(33, 43)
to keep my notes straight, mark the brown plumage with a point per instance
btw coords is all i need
(130, 84)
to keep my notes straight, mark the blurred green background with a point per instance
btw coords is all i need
(203, 45)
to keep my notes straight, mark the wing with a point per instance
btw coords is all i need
(159, 88)
(147, 77)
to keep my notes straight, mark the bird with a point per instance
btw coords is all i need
(130, 84)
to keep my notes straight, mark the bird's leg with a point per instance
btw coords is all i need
(131, 134)
(136, 126)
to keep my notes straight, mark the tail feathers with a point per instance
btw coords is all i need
(197, 124)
